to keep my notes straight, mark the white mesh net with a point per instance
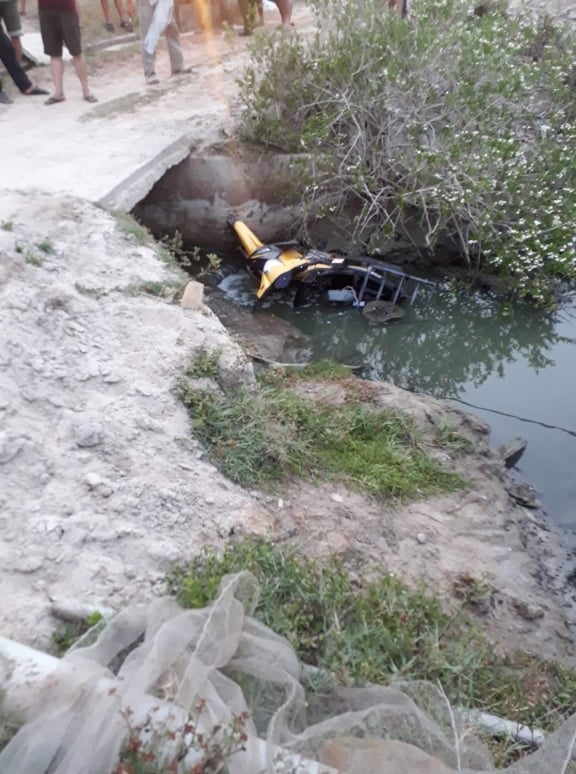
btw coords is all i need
(181, 680)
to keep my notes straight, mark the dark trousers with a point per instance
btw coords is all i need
(8, 58)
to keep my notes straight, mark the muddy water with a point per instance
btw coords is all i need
(516, 369)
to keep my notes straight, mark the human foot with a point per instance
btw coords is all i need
(35, 91)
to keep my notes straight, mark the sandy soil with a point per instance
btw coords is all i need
(101, 484)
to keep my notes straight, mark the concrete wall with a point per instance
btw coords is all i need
(197, 196)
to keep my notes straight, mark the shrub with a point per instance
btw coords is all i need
(460, 123)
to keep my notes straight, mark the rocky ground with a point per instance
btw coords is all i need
(102, 485)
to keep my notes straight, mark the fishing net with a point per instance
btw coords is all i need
(189, 688)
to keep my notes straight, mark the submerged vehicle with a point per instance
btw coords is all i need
(330, 276)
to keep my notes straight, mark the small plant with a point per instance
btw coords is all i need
(32, 259)
(448, 437)
(151, 748)
(46, 247)
(70, 633)
(206, 364)
(169, 291)
(174, 245)
(130, 227)
(7, 225)
(475, 593)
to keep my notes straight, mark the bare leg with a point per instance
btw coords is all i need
(124, 22)
(22, 9)
(106, 12)
(81, 72)
(285, 8)
(17, 45)
(57, 70)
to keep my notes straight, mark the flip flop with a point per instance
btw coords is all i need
(54, 100)
(35, 91)
(91, 98)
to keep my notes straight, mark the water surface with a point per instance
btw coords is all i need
(516, 367)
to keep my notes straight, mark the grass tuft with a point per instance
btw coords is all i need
(380, 631)
(269, 436)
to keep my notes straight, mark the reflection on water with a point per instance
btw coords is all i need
(467, 348)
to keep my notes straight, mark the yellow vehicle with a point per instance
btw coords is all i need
(330, 276)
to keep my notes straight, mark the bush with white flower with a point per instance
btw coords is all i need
(461, 119)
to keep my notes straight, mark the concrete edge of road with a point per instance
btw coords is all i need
(134, 188)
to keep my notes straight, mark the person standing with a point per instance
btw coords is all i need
(125, 22)
(59, 26)
(11, 18)
(15, 71)
(156, 19)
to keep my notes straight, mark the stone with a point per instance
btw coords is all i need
(87, 432)
(193, 297)
(512, 451)
(92, 480)
(421, 538)
(528, 611)
(524, 494)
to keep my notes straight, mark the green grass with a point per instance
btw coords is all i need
(272, 435)
(380, 631)
(130, 228)
(64, 637)
(205, 364)
(46, 247)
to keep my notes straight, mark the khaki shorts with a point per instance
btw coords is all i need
(58, 29)
(9, 13)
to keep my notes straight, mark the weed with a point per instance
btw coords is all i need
(19, 248)
(130, 227)
(8, 729)
(69, 633)
(474, 592)
(174, 244)
(7, 225)
(94, 292)
(258, 438)
(154, 749)
(206, 364)
(32, 259)
(46, 247)
(448, 437)
(379, 631)
(169, 291)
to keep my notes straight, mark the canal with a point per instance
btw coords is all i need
(515, 367)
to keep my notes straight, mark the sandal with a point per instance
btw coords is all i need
(91, 98)
(54, 100)
(108, 27)
(127, 25)
(35, 91)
